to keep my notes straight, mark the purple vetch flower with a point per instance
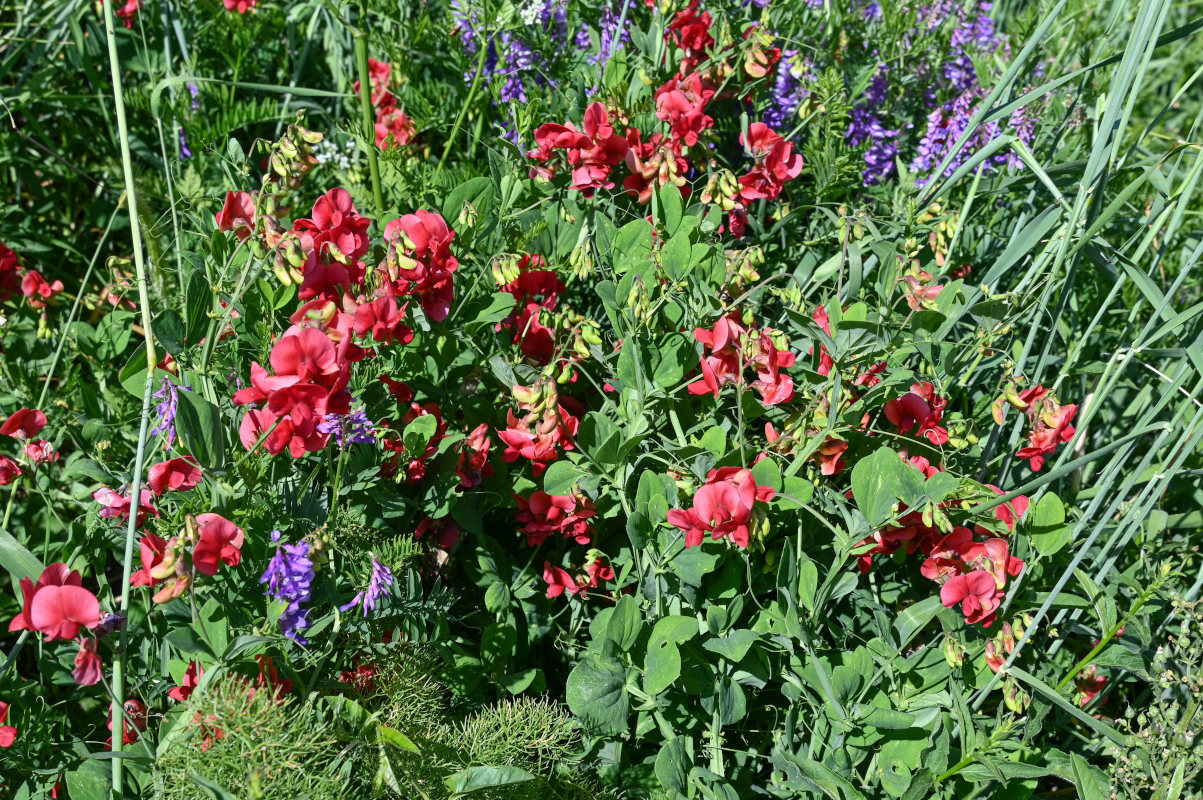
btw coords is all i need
(582, 40)
(353, 428)
(607, 25)
(865, 126)
(289, 579)
(184, 151)
(379, 584)
(165, 411)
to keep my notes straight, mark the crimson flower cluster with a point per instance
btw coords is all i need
(724, 507)
(16, 278)
(393, 127)
(735, 348)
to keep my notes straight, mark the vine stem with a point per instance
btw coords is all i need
(131, 193)
(365, 104)
(459, 119)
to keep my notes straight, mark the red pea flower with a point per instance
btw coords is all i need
(24, 423)
(37, 290)
(176, 475)
(9, 470)
(393, 128)
(117, 506)
(976, 592)
(419, 261)
(8, 734)
(473, 466)
(241, 6)
(87, 670)
(128, 11)
(57, 605)
(10, 273)
(192, 677)
(543, 514)
(1049, 424)
(776, 163)
(40, 451)
(1088, 684)
(152, 550)
(237, 215)
(444, 532)
(219, 541)
(560, 580)
(921, 409)
(723, 507)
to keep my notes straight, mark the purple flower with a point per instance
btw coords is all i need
(865, 126)
(353, 428)
(379, 585)
(184, 151)
(289, 579)
(166, 409)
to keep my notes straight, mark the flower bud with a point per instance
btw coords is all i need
(954, 651)
(1015, 697)
(468, 215)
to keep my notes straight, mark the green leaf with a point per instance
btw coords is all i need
(914, 618)
(477, 191)
(663, 662)
(475, 779)
(199, 427)
(17, 561)
(596, 693)
(215, 790)
(170, 331)
(417, 434)
(92, 781)
(673, 764)
(198, 298)
(1049, 531)
(694, 563)
(395, 737)
(632, 246)
(625, 623)
(489, 309)
(766, 472)
(561, 478)
(881, 481)
(1098, 726)
(734, 646)
(672, 206)
(1092, 785)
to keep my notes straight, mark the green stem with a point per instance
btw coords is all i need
(459, 119)
(365, 105)
(151, 360)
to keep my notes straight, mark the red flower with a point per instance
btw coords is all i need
(1049, 421)
(921, 409)
(219, 540)
(444, 531)
(37, 290)
(10, 273)
(8, 734)
(237, 215)
(57, 605)
(128, 11)
(690, 31)
(976, 592)
(40, 451)
(24, 423)
(560, 580)
(87, 670)
(393, 128)
(590, 153)
(723, 506)
(420, 262)
(9, 470)
(118, 505)
(543, 514)
(382, 320)
(152, 550)
(654, 163)
(734, 348)
(1089, 684)
(414, 463)
(178, 474)
(473, 466)
(334, 238)
(378, 75)
(192, 677)
(241, 6)
(681, 102)
(776, 163)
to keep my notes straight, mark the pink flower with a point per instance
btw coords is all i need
(543, 514)
(560, 580)
(241, 6)
(87, 670)
(152, 549)
(1049, 421)
(420, 262)
(192, 677)
(118, 505)
(24, 423)
(219, 541)
(976, 592)
(723, 506)
(128, 11)
(473, 466)
(776, 160)
(393, 128)
(1089, 684)
(57, 605)
(37, 290)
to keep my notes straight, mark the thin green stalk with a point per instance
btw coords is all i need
(459, 119)
(365, 105)
(127, 165)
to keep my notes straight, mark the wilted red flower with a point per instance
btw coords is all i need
(219, 541)
(543, 514)
(9, 470)
(473, 466)
(178, 474)
(722, 507)
(237, 214)
(393, 128)
(57, 605)
(87, 670)
(118, 505)
(192, 677)
(8, 734)
(40, 451)
(24, 423)
(921, 409)
(10, 273)
(444, 532)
